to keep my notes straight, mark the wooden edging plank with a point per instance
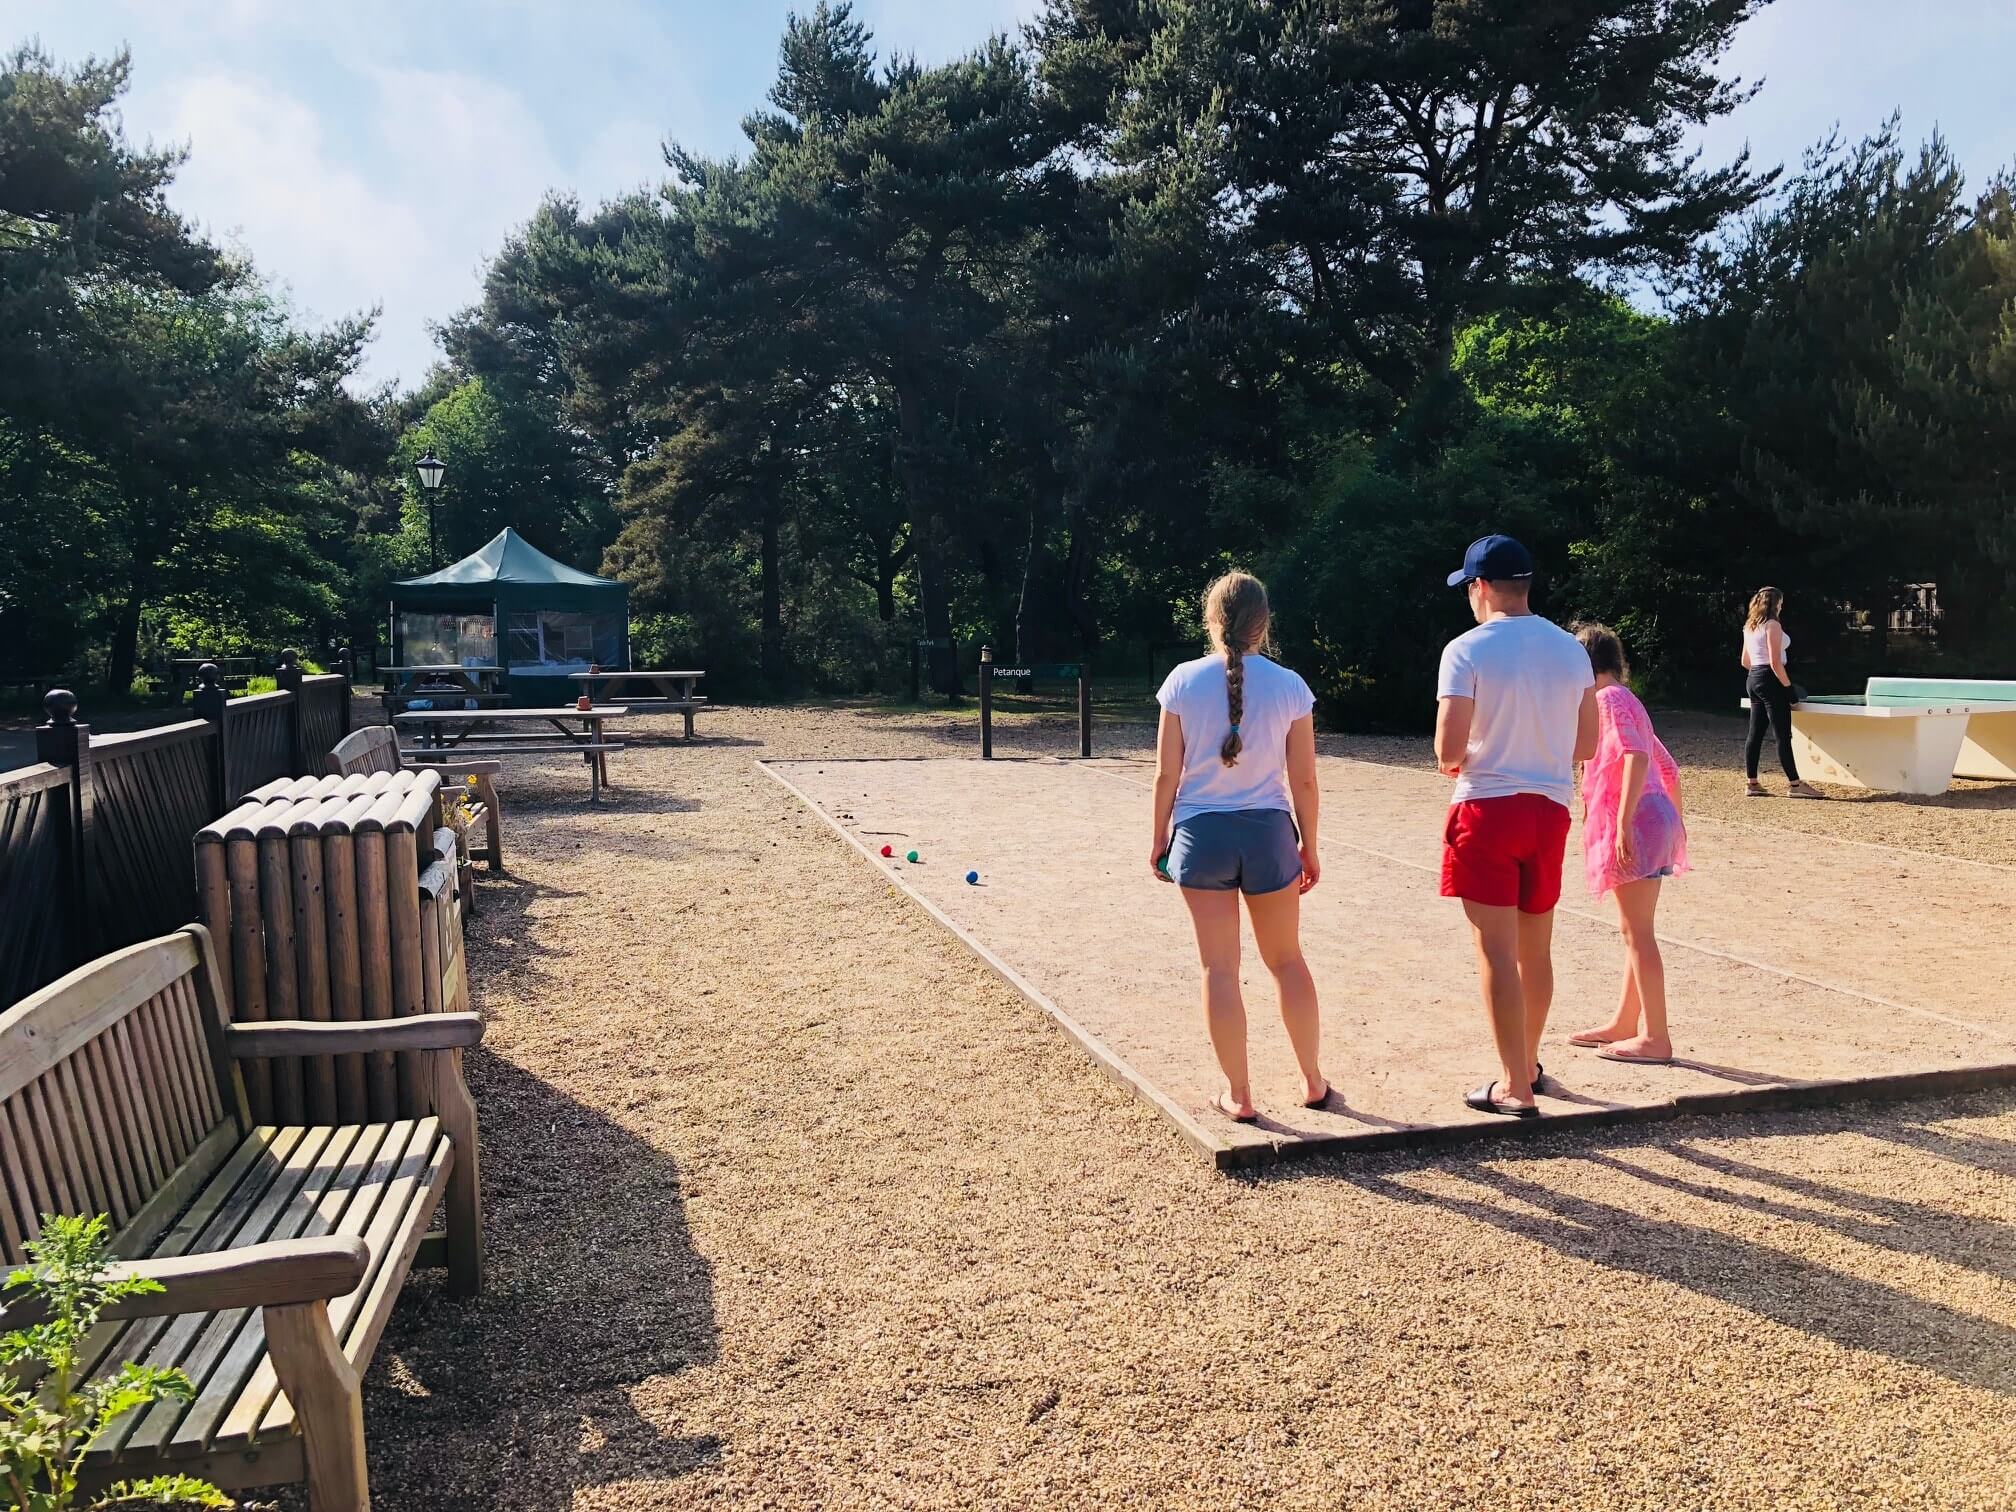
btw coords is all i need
(1102, 1055)
(1897, 1086)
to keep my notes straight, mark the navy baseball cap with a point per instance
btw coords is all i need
(1493, 558)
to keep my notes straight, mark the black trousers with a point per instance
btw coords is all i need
(1770, 703)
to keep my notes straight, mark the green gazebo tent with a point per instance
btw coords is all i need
(546, 618)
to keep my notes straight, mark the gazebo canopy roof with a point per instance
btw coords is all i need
(511, 572)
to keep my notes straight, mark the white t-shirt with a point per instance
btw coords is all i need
(1527, 676)
(1275, 699)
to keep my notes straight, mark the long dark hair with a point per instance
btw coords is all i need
(1765, 604)
(1236, 617)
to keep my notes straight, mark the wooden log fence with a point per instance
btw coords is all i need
(334, 900)
(95, 837)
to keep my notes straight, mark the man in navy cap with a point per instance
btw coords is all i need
(1517, 711)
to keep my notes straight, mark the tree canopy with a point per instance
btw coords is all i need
(1024, 346)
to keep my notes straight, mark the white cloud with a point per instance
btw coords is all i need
(456, 163)
(262, 173)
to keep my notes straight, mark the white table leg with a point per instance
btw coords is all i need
(1989, 751)
(1908, 754)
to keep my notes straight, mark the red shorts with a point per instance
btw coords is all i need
(1505, 851)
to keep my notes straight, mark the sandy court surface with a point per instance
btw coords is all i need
(1771, 983)
(793, 1204)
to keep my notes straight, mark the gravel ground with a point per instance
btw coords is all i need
(791, 1203)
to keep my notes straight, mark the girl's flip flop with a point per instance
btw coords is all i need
(1590, 1039)
(1606, 1053)
(1329, 1091)
(1223, 1106)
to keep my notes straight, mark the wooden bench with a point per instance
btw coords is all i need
(281, 1249)
(375, 748)
(671, 691)
(440, 698)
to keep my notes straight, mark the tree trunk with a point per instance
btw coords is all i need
(123, 652)
(1043, 615)
(927, 541)
(887, 564)
(773, 607)
(1078, 580)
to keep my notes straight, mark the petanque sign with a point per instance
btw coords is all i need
(1035, 672)
(1043, 671)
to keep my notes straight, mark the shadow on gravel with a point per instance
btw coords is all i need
(522, 1397)
(1522, 1192)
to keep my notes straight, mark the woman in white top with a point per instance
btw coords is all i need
(1765, 646)
(1236, 755)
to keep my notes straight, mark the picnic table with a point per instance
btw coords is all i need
(667, 689)
(477, 732)
(1908, 734)
(442, 685)
(232, 672)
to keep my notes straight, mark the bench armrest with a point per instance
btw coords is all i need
(422, 1031)
(275, 1274)
(463, 768)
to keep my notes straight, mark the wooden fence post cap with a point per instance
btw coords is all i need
(289, 658)
(60, 704)
(207, 674)
(986, 653)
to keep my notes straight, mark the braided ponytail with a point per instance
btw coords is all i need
(1236, 618)
(1235, 703)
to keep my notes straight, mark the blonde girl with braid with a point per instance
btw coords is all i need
(1235, 815)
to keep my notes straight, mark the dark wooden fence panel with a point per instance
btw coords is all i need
(34, 897)
(97, 840)
(258, 743)
(324, 706)
(149, 792)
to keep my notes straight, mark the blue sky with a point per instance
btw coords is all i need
(375, 152)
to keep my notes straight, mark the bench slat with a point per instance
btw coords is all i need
(217, 1338)
(211, 1222)
(182, 1341)
(391, 1218)
(322, 1213)
(203, 1226)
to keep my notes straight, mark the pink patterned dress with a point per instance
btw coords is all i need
(1658, 836)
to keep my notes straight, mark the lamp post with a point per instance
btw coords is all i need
(431, 471)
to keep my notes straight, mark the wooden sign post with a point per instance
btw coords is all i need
(1079, 672)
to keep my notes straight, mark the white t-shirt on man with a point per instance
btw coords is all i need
(1527, 676)
(1275, 698)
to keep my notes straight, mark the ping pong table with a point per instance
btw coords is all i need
(1908, 734)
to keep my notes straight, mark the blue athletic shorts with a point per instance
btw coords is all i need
(1250, 850)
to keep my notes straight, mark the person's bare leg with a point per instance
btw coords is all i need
(1536, 977)
(1277, 930)
(1496, 932)
(1624, 1023)
(1215, 918)
(1638, 903)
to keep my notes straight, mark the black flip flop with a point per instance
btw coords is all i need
(1484, 1101)
(1219, 1105)
(1329, 1091)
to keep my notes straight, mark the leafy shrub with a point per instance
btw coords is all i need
(45, 1434)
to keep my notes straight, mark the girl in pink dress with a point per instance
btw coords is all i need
(1633, 836)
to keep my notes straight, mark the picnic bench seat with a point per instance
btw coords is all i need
(281, 1249)
(375, 748)
(682, 700)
